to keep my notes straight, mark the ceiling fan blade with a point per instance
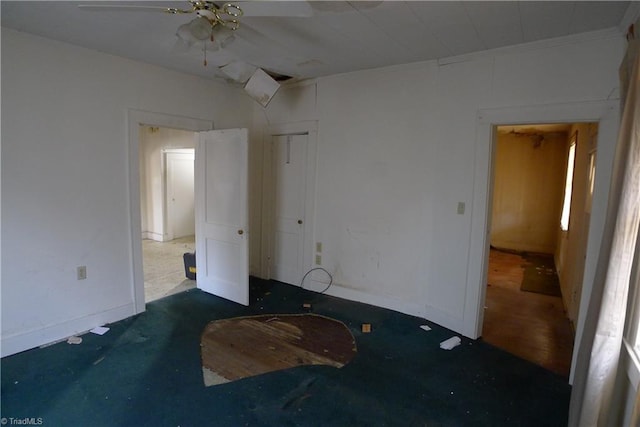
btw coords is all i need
(284, 9)
(130, 8)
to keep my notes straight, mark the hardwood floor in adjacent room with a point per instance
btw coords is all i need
(529, 325)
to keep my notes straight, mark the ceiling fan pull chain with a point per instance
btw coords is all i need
(204, 46)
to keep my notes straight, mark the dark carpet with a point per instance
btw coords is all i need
(146, 371)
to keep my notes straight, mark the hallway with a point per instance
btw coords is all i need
(530, 325)
(164, 267)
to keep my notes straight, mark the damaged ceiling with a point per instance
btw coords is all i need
(311, 39)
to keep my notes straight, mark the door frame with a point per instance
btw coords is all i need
(136, 118)
(309, 128)
(606, 114)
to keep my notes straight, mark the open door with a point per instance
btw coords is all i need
(222, 241)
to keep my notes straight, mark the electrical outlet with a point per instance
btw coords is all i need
(460, 208)
(318, 246)
(318, 259)
(81, 272)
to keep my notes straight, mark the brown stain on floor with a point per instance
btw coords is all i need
(242, 347)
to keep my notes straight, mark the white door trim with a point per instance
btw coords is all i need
(604, 112)
(135, 118)
(309, 128)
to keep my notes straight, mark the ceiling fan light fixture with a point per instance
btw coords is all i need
(206, 13)
(222, 33)
(200, 28)
(184, 35)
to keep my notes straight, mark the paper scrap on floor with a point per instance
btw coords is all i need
(450, 343)
(425, 327)
(74, 340)
(99, 330)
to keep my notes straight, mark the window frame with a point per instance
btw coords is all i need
(565, 213)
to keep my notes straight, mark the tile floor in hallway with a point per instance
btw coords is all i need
(164, 267)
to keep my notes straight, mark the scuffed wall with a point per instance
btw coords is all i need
(396, 158)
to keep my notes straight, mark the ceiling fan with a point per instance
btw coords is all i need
(214, 25)
(210, 15)
(215, 22)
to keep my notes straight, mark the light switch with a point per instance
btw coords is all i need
(460, 208)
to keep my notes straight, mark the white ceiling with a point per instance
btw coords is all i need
(330, 37)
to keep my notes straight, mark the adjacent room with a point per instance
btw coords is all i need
(542, 180)
(399, 213)
(167, 209)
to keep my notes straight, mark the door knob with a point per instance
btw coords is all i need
(240, 232)
(299, 221)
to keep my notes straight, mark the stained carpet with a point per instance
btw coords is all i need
(146, 371)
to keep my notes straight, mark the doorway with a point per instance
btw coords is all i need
(137, 119)
(289, 182)
(179, 194)
(288, 178)
(535, 262)
(166, 157)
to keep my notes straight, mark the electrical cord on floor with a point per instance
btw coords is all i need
(314, 269)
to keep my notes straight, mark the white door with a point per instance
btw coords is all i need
(222, 251)
(289, 153)
(180, 192)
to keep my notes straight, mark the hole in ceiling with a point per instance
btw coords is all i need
(277, 76)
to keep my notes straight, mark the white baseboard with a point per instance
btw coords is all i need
(446, 319)
(336, 290)
(430, 313)
(32, 339)
(150, 235)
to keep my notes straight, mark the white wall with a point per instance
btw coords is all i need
(397, 151)
(65, 183)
